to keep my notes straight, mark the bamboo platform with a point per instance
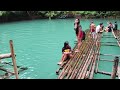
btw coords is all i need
(83, 64)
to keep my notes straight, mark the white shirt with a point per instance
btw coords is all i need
(98, 28)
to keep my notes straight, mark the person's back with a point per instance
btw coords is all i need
(98, 29)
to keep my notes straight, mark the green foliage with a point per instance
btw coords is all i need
(55, 14)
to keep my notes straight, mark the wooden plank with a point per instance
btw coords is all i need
(114, 34)
(107, 60)
(2, 56)
(13, 59)
(118, 43)
(3, 69)
(105, 44)
(118, 72)
(115, 66)
(103, 72)
(109, 55)
(108, 42)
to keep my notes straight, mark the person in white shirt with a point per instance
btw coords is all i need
(99, 28)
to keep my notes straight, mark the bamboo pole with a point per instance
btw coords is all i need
(108, 42)
(118, 43)
(80, 61)
(67, 71)
(93, 62)
(118, 72)
(69, 67)
(8, 55)
(107, 37)
(103, 72)
(63, 65)
(13, 59)
(94, 65)
(114, 34)
(109, 55)
(109, 45)
(6, 70)
(115, 66)
(84, 60)
(85, 66)
(65, 68)
(107, 60)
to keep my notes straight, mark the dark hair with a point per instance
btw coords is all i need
(78, 21)
(110, 23)
(66, 43)
(116, 22)
(101, 23)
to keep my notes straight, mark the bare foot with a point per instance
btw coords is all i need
(59, 63)
(76, 50)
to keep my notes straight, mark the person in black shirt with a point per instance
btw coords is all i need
(110, 27)
(66, 52)
(76, 27)
(115, 26)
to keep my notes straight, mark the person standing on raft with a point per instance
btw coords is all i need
(80, 38)
(76, 27)
(92, 29)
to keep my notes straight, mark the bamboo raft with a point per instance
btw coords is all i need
(85, 63)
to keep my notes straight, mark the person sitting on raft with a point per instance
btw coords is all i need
(109, 28)
(66, 52)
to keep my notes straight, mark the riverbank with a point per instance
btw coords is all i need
(11, 16)
(4, 20)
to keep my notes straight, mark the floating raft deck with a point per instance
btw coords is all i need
(84, 64)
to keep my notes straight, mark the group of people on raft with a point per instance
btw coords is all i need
(80, 34)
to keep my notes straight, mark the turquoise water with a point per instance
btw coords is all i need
(38, 44)
(105, 65)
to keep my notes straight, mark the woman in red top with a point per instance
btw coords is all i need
(80, 36)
